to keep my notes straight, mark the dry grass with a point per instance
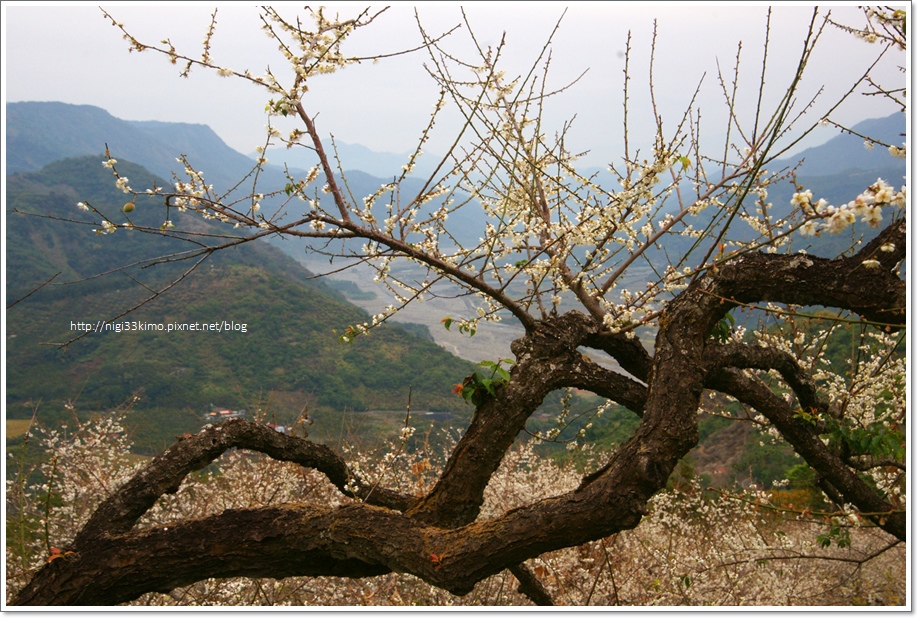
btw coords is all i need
(17, 427)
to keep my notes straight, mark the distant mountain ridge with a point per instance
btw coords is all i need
(846, 152)
(38, 133)
(385, 165)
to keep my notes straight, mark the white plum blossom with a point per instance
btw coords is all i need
(873, 217)
(802, 198)
(808, 228)
(107, 228)
(868, 206)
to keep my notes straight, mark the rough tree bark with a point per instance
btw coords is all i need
(113, 562)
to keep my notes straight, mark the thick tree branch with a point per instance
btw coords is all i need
(531, 586)
(754, 357)
(547, 359)
(877, 294)
(587, 375)
(678, 375)
(628, 352)
(356, 540)
(807, 443)
(119, 512)
(541, 357)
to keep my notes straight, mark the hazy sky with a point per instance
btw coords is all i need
(71, 53)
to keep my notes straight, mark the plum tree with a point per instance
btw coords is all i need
(558, 253)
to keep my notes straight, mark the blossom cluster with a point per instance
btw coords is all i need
(868, 206)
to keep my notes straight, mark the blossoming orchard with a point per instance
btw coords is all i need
(735, 322)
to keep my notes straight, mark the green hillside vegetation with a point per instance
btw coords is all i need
(290, 353)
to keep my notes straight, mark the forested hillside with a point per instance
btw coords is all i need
(288, 357)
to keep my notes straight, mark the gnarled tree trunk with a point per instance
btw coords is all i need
(439, 537)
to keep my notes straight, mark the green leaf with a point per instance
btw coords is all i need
(723, 329)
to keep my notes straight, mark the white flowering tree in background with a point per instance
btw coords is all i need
(555, 251)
